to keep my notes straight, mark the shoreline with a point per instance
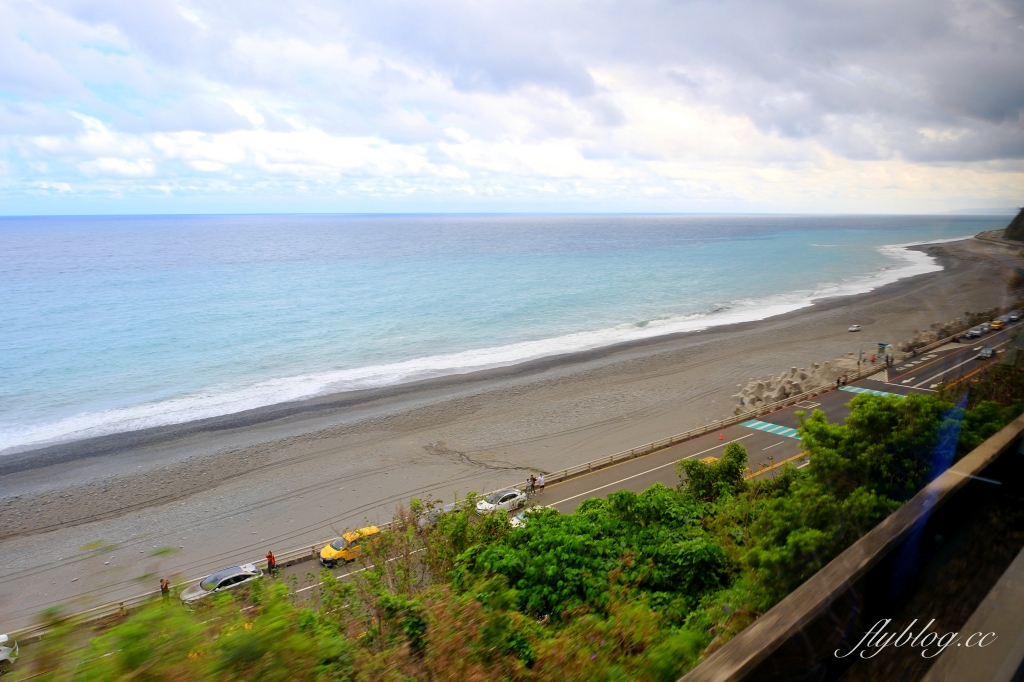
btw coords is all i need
(22, 458)
(223, 492)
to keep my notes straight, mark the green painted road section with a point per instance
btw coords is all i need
(776, 429)
(858, 389)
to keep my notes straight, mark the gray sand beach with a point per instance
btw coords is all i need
(229, 489)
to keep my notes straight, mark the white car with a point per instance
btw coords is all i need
(854, 328)
(8, 654)
(224, 579)
(504, 500)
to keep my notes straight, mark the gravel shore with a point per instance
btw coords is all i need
(230, 489)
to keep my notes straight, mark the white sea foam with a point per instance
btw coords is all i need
(223, 400)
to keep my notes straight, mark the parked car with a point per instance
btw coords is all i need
(854, 328)
(985, 327)
(429, 517)
(501, 500)
(996, 325)
(1015, 315)
(8, 654)
(348, 547)
(520, 519)
(224, 579)
(985, 354)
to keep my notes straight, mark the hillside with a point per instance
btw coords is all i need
(1015, 230)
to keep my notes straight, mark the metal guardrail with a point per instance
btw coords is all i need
(309, 552)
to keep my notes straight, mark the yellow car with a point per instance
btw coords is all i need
(347, 547)
(996, 324)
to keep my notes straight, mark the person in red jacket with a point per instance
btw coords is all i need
(271, 563)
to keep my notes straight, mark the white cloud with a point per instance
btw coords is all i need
(659, 104)
(126, 168)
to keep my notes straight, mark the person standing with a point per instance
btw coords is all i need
(540, 483)
(165, 590)
(271, 563)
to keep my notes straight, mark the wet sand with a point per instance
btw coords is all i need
(228, 489)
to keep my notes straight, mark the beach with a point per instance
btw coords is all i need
(229, 488)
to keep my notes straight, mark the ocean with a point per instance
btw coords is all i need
(110, 324)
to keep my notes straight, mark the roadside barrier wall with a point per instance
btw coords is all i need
(798, 637)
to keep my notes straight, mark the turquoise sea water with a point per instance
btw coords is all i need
(117, 323)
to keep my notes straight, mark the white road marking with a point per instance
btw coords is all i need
(947, 371)
(776, 445)
(649, 470)
(339, 577)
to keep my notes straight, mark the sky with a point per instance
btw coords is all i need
(803, 106)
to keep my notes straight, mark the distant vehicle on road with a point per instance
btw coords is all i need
(348, 547)
(973, 333)
(8, 654)
(996, 325)
(854, 328)
(985, 353)
(985, 327)
(1015, 315)
(224, 579)
(501, 500)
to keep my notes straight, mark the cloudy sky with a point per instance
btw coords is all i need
(158, 106)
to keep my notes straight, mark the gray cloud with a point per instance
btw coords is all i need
(929, 81)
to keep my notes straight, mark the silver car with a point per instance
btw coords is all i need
(503, 500)
(430, 517)
(224, 579)
(8, 654)
(520, 519)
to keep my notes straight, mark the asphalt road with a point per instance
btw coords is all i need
(770, 441)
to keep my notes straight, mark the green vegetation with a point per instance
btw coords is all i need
(632, 587)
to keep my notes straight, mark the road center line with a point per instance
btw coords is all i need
(345, 575)
(649, 470)
(965, 362)
(773, 446)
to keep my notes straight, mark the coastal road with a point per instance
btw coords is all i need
(928, 370)
(769, 441)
